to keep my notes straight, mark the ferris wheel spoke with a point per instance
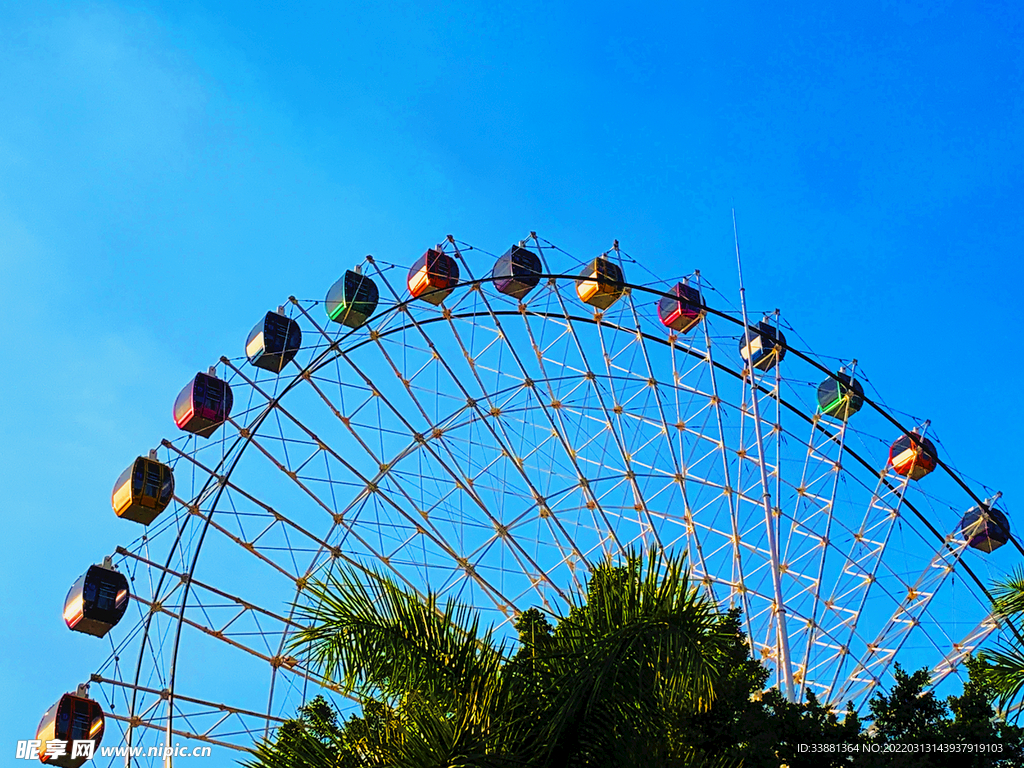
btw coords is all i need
(546, 511)
(274, 515)
(375, 487)
(621, 454)
(421, 443)
(860, 573)
(214, 706)
(622, 401)
(245, 605)
(504, 439)
(340, 518)
(251, 734)
(461, 477)
(883, 649)
(737, 593)
(462, 480)
(552, 410)
(815, 502)
(290, 664)
(142, 717)
(964, 648)
(527, 382)
(887, 581)
(335, 552)
(487, 419)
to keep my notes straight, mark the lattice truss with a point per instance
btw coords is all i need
(492, 451)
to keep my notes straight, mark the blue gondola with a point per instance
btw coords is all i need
(764, 347)
(97, 601)
(273, 342)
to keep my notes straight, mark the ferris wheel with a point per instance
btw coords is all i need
(489, 427)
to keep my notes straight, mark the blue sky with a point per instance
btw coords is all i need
(169, 171)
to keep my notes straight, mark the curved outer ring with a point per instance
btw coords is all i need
(335, 348)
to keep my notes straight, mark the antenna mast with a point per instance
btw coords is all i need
(783, 658)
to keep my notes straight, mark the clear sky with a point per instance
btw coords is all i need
(170, 171)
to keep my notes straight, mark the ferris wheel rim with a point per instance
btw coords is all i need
(241, 442)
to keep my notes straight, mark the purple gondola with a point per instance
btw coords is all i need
(517, 272)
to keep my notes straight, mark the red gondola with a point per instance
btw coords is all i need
(203, 405)
(683, 309)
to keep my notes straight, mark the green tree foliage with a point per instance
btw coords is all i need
(759, 727)
(642, 671)
(975, 721)
(604, 687)
(912, 728)
(1005, 662)
(639, 648)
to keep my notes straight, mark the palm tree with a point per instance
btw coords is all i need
(601, 688)
(429, 677)
(639, 648)
(1005, 662)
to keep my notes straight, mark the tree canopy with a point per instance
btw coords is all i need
(643, 670)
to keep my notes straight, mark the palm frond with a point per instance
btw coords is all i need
(644, 643)
(1004, 670)
(369, 636)
(1008, 594)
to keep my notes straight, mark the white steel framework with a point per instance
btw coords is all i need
(492, 450)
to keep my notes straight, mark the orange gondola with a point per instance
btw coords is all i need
(143, 490)
(433, 276)
(601, 283)
(913, 456)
